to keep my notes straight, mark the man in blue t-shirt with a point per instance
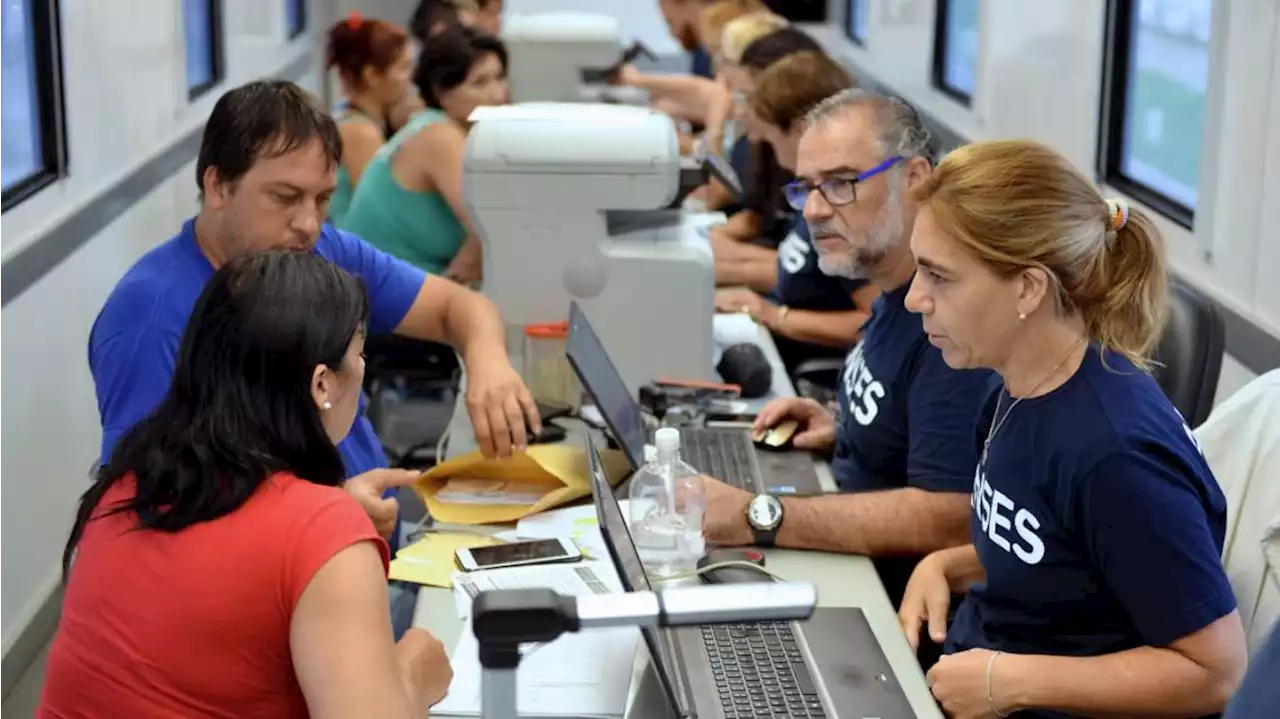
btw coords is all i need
(266, 171)
(904, 442)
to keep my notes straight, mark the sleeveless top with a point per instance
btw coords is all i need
(415, 226)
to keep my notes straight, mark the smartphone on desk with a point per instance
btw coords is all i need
(516, 554)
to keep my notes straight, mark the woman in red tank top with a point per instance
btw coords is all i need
(216, 567)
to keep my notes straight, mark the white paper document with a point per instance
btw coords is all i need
(577, 579)
(577, 523)
(735, 328)
(578, 676)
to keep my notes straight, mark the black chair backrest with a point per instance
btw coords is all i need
(1190, 353)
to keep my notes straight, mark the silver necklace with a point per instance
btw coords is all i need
(996, 425)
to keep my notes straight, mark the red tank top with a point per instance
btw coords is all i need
(195, 623)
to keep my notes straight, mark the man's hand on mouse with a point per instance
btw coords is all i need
(725, 521)
(817, 431)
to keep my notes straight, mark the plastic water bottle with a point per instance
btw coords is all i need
(666, 507)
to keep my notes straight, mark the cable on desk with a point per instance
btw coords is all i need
(735, 563)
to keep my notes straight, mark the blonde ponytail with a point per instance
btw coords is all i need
(1129, 312)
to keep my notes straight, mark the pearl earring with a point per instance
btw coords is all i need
(326, 406)
(1022, 316)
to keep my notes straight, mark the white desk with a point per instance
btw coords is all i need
(841, 580)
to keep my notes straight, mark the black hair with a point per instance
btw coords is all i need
(430, 13)
(776, 45)
(447, 59)
(239, 406)
(264, 118)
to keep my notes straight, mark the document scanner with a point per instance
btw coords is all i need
(562, 56)
(537, 179)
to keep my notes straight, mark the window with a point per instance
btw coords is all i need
(31, 137)
(295, 17)
(1154, 113)
(955, 48)
(202, 27)
(857, 20)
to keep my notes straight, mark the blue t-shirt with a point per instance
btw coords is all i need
(906, 418)
(134, 342)
(1097, 519)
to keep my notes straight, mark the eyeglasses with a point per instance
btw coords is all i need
(837, 191)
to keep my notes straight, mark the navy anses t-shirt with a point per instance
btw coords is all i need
(133, 345)
(1097, 519)
(906, 418)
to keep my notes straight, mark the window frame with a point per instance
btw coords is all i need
(851, 19)
(293, 33)
(51, 118)
(941, 40)
(1118, 55)
(217, 58)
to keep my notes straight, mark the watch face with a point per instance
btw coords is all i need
(764, 512)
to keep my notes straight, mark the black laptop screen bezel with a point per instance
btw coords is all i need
(578, 323)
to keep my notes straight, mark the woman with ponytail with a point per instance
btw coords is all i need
(375, 68)
(1094, 582)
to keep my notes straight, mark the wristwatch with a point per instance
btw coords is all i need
(764, 514)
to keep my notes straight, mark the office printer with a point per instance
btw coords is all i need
(537, 178)
(563, 57)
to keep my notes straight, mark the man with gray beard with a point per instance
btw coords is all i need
(905, 441)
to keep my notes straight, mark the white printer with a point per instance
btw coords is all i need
(554, 56)
(537, 178)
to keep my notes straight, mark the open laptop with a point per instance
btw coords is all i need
(726, 453)
(830, 666)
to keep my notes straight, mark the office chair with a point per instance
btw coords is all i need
(1190, 353)
(411, 387)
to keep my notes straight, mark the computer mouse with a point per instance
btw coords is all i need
(777, 437)
(735, 574)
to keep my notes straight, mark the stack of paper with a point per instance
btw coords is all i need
(578, 676)
(491, 491)
(430, 560)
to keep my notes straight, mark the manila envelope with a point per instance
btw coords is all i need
(562, 468)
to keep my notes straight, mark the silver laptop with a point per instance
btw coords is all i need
(726, 453)
(830, 666)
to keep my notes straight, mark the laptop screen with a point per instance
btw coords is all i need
(617, 537)
(605, 386)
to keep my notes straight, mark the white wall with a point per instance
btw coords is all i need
(126, 101)
(1040, 75)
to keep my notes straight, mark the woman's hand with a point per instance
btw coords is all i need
(926, 600)
(959, 682)
(425, 665)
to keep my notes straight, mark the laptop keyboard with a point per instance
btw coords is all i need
(727, 456)
(760, 672)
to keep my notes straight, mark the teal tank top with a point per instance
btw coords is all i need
(418, 227)
(340, 201)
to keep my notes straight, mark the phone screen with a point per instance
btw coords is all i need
(538, 550)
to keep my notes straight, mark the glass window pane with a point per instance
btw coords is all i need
(1164, 110)
(21, 154)
(859, 19)
(961, 61)
(198, 28)
(295, 17)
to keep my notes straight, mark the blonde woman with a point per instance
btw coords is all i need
(1094, 577)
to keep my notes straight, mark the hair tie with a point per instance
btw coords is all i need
(1118, 210)
(354, 20)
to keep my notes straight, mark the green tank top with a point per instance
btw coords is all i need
(418, 227)
(340, 201)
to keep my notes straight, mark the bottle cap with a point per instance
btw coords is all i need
(650, 454)
(667, 440)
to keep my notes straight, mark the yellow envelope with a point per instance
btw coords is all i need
(562, 468)
(430, 559)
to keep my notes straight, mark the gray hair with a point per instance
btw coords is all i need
(901, 131)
